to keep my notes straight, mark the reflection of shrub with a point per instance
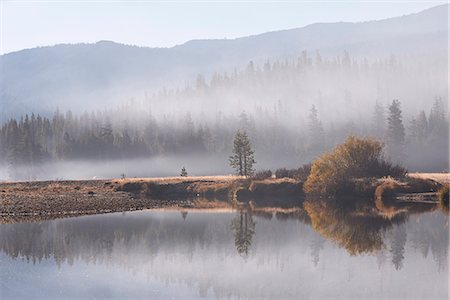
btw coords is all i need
(443, 198)
(261, 175)
(355, 158)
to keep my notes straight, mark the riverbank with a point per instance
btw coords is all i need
(40, 200)
(55, 199)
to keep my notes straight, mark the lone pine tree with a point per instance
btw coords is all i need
(243, 158)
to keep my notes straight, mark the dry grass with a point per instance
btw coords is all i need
(202, 203)
(442, 178)
(179, 179)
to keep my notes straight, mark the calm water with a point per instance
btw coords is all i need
(174, 255)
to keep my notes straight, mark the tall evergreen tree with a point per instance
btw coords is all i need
(437, 120)
(378, 120)
(395, 134)
(243, 158)
(419, 129)
(316, 132)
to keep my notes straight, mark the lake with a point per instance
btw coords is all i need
(226, 255)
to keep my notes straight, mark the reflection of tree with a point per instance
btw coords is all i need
(427, 236)
(316, 245)
(397, 248)
(243, 228)
(356, 232)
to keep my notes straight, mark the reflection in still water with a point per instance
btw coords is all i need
(333, 253)
(243, 228)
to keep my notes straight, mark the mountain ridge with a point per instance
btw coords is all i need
(103, 73)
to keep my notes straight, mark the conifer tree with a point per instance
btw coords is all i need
(378, 120)
(395, 135)
(243, 158)
(316, 132)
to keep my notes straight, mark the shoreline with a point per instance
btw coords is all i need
(42, 200)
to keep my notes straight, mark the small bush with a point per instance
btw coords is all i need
(281, 173)
(263, 174)
(443, 198)
(301, 173)
(383, 168)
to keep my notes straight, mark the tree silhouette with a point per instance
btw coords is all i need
(395, 135)
(316, 132)
(243, 228)
(378, 120)
(397, 248)
(183, 173)
(243, 158)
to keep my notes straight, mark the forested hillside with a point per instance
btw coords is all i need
(293, 127)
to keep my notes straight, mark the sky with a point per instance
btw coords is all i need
(29, 24)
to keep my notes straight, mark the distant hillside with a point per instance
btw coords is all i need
(85, 76)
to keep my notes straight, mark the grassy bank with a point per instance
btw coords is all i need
(232, 189)
(40, 200)
(54, 199)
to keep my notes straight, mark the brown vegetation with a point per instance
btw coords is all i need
(55, 199)
(393, 197)
(442, 178)
(357, 232)
(444, 198)
(355, 158)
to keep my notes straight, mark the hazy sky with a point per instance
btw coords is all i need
(27, 24)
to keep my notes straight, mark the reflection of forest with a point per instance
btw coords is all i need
(364, 231)
(95, 238)
(160, 242)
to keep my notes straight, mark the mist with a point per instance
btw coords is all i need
(88, 113)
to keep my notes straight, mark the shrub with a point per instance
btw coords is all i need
(183, 173)
(263, 174)
(301, 173)
(282, 173)
(383, 168)
(443, 198)
(355, 158)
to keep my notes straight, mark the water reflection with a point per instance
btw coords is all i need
(357, 231)
(243, 228)
(324, 251)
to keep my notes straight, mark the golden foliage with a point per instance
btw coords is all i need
(356, 157)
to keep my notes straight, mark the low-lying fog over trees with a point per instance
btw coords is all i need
(290, 129)
(292, 108)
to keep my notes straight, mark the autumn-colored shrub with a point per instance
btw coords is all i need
(355, 158)
(443, 198)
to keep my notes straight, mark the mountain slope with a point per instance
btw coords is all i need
(96, 75)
